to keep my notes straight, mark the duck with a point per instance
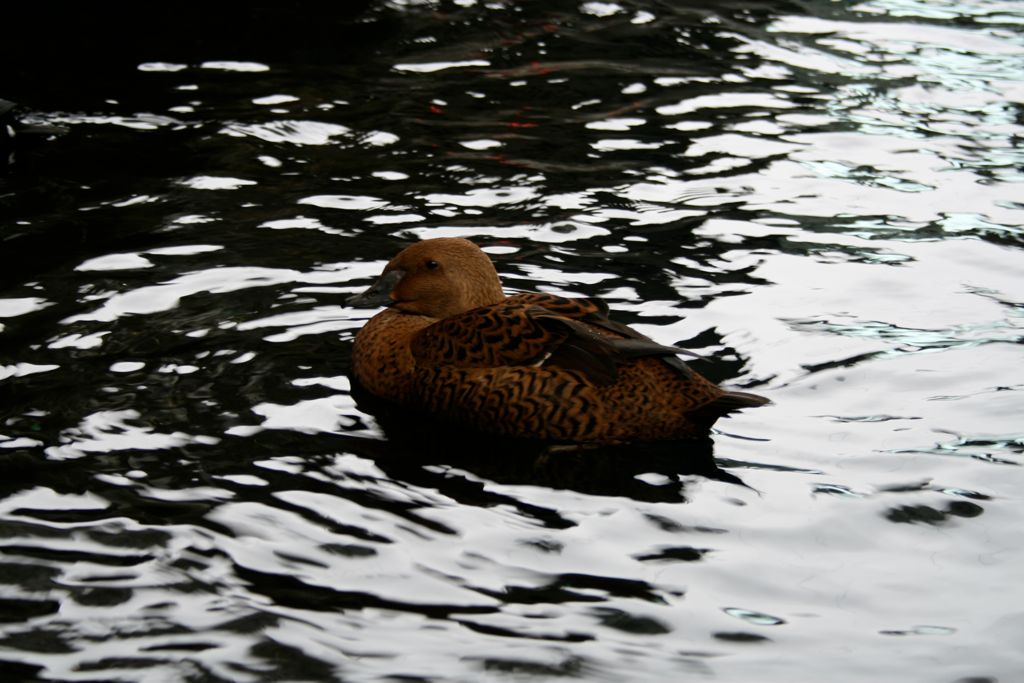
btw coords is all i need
(451, 345)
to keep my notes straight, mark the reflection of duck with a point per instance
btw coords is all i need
(452, 345)
(415, 440)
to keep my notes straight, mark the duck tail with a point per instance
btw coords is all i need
(737, 400)
(728, 402)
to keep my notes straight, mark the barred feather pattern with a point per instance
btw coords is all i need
(529, 365)
(502, 334)
(382, 359)
(649, 401)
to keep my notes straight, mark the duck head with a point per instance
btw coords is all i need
(437, 278)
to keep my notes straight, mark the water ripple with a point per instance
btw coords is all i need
(822, 201)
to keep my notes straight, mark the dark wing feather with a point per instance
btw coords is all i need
(595, 354)
(594, 312)
(515, 333)
(540, 329)
(580, 348)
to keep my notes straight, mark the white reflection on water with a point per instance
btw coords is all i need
(565, 231)
(12, 308)
(42, 498)
(116, 262)
(224, 280)
(317, 320)
(295, 132)
(894, 38)
(117, 430)
(480, 145)
(798, 185)
(23, 369)
(233, 65)
(345, 202)
(216, 183)
(395, 219)
(430, 67)
(271, 100)
(303, 223)
(79, 341)
(758, 101)
(483, 197)
(619, 124)
(167, 67)
(984, 11)
(141, 121)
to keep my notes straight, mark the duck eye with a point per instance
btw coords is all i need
(432, 265)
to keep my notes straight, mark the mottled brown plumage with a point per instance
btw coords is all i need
(450, 343)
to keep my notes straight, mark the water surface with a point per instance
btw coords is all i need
(823, 199)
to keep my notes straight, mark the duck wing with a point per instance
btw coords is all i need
(488, 336)
(539, 330)
(595, 312)
(632, 344)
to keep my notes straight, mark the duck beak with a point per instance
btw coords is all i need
(379, 293)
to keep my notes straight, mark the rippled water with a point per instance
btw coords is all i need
(823, 198)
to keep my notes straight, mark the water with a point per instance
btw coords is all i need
(822, 198)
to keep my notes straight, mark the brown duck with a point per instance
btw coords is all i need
(451, 344)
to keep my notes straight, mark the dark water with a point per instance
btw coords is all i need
(826, 199)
